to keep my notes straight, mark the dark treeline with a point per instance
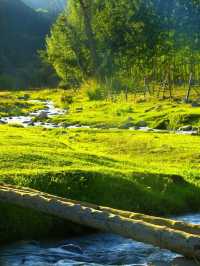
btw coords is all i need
(23, 32)
(128, 39)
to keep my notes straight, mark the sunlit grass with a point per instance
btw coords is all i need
(101, 166)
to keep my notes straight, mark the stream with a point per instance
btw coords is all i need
(91, 250)
(50, 110)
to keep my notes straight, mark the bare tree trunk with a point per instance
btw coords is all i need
(189, 89)
(161, 236)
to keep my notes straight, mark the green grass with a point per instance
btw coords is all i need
(116, 112)
(11, 104)
(146, 172)
(111, 113)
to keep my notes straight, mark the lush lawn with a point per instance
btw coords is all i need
(147, 172)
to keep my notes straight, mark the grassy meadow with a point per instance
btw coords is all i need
(154, 173)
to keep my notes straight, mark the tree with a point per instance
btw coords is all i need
(101, 38)
(86, 7)
(127, 39)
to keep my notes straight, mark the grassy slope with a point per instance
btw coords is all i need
(105, 166)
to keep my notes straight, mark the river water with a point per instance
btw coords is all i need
(92, 250)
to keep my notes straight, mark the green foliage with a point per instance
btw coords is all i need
(126, 39)
(95, 94)
(115, 45)
(67, 99)
(95, 91)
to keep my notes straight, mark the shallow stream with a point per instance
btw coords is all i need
(92, 250)
(50, 110)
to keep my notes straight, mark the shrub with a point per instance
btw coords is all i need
(95, 91)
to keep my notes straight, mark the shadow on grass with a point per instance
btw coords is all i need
(146, 193)
(149, 193)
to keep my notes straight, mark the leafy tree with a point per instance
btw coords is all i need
(126, 38)
(101, 37)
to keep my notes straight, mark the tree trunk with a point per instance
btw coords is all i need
(161, 236)
(189, 89)
(173, 224)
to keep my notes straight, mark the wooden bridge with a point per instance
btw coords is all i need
(179, 237)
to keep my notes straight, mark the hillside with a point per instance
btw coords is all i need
(50, 5)
(23, 32)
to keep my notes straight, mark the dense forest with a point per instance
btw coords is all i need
(127, 40)
(23, 32)
(118, 42)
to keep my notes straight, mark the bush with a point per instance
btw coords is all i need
(72, 83)
(95, 91)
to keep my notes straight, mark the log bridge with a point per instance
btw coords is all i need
(177, 236)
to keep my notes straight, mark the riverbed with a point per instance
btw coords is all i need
(91, 250)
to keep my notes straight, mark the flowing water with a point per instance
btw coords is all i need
(92, 250)
(50, 110)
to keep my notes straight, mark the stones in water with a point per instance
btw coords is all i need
(189, 129)
(186, 128)
(127, 124)
(31, 123)
(141, 123)
(195, 104)
(2, 122)
(72, 248)
(42, 115)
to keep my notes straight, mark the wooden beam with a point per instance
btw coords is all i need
(170, 223)
(161, 236)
